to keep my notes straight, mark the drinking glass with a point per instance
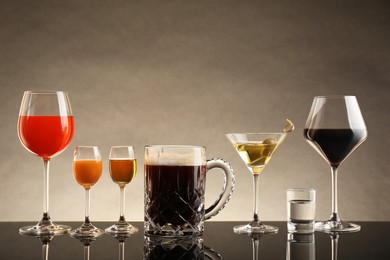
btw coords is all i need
(175, 185)
(301, 208)
(45, 128)
(335, 128)
(256, 150)
(123, 167)
(301, 247)
(174, 248)
(87, 169)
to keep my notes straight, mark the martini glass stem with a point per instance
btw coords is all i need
(335, 215)
(255, 198)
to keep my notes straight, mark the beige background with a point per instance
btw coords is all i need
(186, 72)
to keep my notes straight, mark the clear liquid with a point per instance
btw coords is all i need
(301, 210)
(301, 247)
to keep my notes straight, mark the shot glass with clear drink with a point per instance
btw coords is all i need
(301, 207)
(300, 247)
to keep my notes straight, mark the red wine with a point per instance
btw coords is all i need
(45, 136)
(335, 144)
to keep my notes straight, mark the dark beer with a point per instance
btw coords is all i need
(174, 195)
(157, 248)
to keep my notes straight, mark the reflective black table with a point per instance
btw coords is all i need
(218, 242)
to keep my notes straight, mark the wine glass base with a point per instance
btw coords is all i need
(45, 230)
(121, 228)
(255, 229)
(86, 231)
(336, 227)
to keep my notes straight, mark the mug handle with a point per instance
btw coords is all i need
(228, 186)
(211, 254)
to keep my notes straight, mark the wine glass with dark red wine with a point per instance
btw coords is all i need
(45, 128)
(335, 128)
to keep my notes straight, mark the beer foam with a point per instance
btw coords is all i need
(170, 159)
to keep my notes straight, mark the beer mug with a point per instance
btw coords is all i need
(175, 178)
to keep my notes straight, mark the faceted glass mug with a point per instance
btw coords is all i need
(175, 178)
(172, 248)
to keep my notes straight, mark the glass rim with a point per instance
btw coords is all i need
(254, 133)
(117, 148)
(45, 91)
(176, 146)
(336, 96)
(121, 146)
(301, 189)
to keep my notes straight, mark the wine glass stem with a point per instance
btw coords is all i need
(87, 205)
(46, 165)
(122, 202)
(335, 216)
(255, 198)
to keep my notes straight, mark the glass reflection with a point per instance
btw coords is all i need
(121, 239)
(300, 247)
(256, 243)
(45, 240)
(45, 246)
(334, 237)
(159, 248)
(87, 241)
(255, 246)
(211, 254)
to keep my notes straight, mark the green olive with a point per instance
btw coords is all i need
(269, 141)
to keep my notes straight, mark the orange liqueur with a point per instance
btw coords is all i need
(87, 172)
(122, 170)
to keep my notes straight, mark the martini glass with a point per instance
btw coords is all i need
(256, 150)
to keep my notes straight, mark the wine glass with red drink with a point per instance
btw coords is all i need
(45, 128)
(335, 128)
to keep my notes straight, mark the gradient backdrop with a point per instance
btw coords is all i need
(187, 72)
